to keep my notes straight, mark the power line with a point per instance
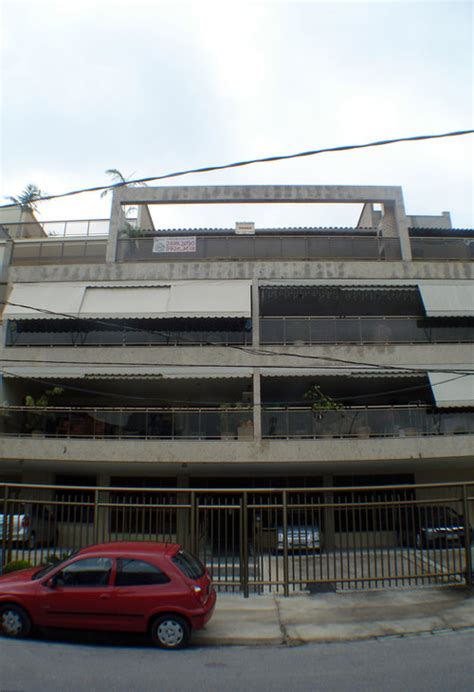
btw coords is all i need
(246, 349)
(219, 403)
(248, 162)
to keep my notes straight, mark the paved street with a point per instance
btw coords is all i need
(428, 662)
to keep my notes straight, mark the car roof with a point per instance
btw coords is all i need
(118, 548)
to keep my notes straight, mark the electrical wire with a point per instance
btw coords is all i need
(248, 162)
(245, 349)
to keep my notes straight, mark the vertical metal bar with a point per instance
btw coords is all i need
(96, 516)
(194, 538)
(285, 544)
(467, 536)
(4, 527)
(244, 566)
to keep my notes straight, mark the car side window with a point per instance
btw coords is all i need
(93, 571)
(138, 573)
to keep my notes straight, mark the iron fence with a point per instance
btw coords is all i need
(261, 540)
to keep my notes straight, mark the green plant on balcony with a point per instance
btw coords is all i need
(319, 401)
(35, 419)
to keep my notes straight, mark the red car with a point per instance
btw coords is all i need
(158, 588)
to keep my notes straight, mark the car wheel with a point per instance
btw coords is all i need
(31, 543)
(170, 632)
(14, 621)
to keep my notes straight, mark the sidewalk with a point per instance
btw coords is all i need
(335, 617)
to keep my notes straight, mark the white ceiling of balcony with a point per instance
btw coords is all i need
(448, 300)
(122, 301)
(452, 391)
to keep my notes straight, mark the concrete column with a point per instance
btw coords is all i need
(255, 313)
(395, 224)
(329, 523)
(257, 405)
(117, 221)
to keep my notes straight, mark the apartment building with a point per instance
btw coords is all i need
(241, 357)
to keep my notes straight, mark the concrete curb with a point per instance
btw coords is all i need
(330, 618)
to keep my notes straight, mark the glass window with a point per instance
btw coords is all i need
(92, 571)
(138, 573)
(189, 565)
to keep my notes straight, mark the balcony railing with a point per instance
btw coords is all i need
(74, 228)
(264, 248)
(229, 423)
(362, 330)
(85, 250)
(393, 421)
(443, 248)
(101, 423)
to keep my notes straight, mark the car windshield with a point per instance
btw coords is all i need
(52, 566)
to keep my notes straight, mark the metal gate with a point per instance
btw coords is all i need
(260, 541)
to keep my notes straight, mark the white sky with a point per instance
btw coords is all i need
(151, 87)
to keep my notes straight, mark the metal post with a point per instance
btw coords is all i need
(96, 516)
(194, 524)
(4, 535)
(467, 537)
(286, 586)
(244, 561)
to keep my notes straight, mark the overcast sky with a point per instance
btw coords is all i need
(151, 87)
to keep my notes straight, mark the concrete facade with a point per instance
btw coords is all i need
(424, 456)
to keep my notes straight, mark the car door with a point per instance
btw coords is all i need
(80, 596)
(140, 587)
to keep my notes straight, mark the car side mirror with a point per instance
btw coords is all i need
(51, 583)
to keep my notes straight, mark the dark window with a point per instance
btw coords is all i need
(189, 565)
(138, 573)
(93, 571)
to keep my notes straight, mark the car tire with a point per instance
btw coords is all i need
(15, 622)
(170, 632)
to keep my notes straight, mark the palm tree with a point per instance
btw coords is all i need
(119, 178)
(28, 198)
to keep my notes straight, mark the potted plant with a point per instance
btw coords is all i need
(35, 420)
(320, 402)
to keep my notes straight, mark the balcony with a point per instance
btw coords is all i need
(59, 242)
(262, 247)
(363, 330)
(363, 422)
(87, 250)
(233, 423)
(442, 249)
(128, 423)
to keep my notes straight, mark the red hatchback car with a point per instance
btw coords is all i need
(158, 588)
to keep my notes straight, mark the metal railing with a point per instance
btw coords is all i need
(261, 540)
(364, 422)
(18, 335)
(150, 423)
(442, 249)
(60, 229)
(363, 330)
(279, 423)
(265, 248)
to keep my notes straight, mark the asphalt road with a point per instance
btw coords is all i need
(78, 662)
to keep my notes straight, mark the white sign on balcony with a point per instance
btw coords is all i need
(175, 244)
